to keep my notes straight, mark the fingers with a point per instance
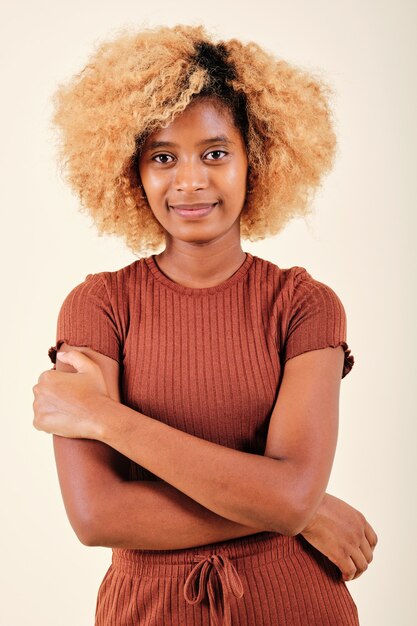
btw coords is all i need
(38, 418)
(46, 376)
(371, 535)
(367, 550)
(360, 563)
(79, 361)
(348, 568)
(359, 559)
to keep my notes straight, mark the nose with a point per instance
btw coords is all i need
(190, 176)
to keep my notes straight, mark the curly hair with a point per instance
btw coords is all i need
(140, 81)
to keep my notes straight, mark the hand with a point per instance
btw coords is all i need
(67, 403)
(342, 534)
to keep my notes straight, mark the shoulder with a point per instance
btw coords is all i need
(102, 297)
(288, 279)
(307, 295)
(109, 283)
(303, 281)
(95, 312)
(312, 316)
(115, 278)
(308, 291)
(268, 269)
(296, 280)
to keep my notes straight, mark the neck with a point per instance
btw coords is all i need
(199, 266)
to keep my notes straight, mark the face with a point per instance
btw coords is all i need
(194, 174)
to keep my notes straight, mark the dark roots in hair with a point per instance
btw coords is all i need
(221, 72)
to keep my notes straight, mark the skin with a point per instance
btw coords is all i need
(190, 508)
(206, 251)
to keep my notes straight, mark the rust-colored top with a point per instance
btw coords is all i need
(208, 360)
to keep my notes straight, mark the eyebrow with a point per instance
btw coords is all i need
(164, 144)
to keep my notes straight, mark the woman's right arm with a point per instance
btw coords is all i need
(106, 509)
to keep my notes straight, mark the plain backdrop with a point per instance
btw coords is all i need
(359, 241)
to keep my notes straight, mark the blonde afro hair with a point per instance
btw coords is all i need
(140, 81)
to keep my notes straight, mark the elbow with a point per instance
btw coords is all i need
(300, 517)
(88, 536)
(299, 514)
(96, 528)
(88, 525)
(291, 526)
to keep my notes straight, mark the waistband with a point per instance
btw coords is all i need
(213, 571)
(248, 552)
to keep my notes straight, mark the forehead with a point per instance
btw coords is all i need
(199, 118)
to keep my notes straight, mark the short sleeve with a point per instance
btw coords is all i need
(86, 318)
(317, 320)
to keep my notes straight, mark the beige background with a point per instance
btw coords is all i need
(359, 242)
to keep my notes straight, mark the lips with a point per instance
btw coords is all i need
(193, 211)
(193, 207)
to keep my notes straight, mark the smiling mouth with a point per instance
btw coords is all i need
(193, 210)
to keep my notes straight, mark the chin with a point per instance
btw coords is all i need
(195, 233)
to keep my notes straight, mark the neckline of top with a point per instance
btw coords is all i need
(162, 278)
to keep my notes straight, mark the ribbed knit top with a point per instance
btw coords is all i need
(209, 360)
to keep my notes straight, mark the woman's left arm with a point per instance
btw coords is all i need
(280, 491)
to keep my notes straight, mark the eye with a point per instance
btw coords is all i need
(217, 155)
(164, 158)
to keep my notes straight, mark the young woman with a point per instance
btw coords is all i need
(197, 435)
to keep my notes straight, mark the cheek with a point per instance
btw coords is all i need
(153, 184)
(236, 181)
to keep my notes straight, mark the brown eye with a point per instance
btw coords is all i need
(165, 158)
(217, 155)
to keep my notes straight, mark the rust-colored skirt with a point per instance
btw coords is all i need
(265, 579)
